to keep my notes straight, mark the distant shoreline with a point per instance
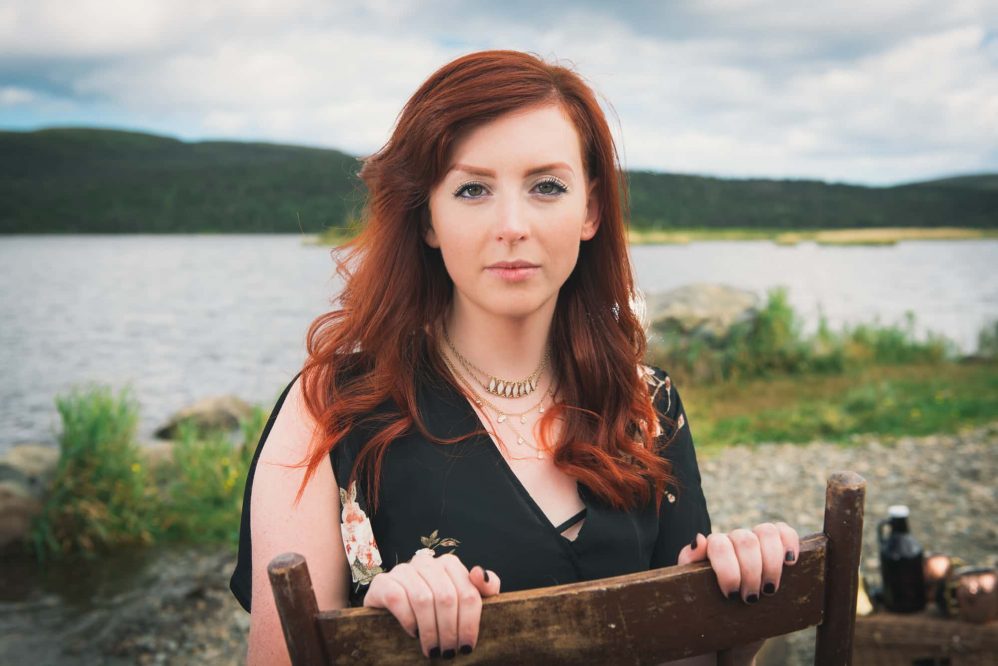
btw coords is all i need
(859, 236)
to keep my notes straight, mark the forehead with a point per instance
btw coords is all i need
(527, 138)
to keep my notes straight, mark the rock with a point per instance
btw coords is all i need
(30, 465)
(18, 507)
(157, 451)
(701, 310)
(218, 413)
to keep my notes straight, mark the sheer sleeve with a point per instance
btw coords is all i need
(683, 507)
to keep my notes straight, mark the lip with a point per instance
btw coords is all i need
(519, 263)
(513, 271)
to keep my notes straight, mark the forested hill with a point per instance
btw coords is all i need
(89, 180)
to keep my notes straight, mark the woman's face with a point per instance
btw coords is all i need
(511, 211)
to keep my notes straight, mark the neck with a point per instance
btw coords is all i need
(508, 348)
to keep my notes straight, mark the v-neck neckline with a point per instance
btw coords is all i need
(470, 415)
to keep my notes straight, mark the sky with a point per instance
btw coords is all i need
(873, 92)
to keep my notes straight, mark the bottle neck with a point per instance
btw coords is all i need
(899, 525)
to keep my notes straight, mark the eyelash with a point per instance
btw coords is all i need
(562, 188)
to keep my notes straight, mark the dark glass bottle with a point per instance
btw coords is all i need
(900, 563)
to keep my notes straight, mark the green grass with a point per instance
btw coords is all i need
(101, 494)
(107, 494)
(773, 344)
(882, 400)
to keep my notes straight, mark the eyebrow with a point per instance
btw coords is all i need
(480, 171)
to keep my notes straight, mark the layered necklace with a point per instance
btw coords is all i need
(502, 416)
(504, 388)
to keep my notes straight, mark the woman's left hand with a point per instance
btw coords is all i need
(748, 563)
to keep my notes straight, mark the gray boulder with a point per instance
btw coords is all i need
(17, 509)
(25, 473)
(218, 413)
(700, 310)
(31, 466)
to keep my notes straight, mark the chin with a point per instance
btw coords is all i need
(515, 308)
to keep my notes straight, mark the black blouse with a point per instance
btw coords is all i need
(464, 498)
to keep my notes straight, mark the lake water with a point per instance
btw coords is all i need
(179, 318)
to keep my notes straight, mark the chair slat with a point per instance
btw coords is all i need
(637, 618)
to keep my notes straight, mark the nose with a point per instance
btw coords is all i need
(512, 224)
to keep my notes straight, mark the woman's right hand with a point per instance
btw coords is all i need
(436, 599)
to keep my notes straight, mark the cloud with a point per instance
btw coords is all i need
(11, 95)
(880, 94)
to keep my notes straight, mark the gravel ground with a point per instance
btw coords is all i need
(946, 480)
(186, 615)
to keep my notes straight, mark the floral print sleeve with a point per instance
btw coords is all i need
(358, 538)
(359, 543)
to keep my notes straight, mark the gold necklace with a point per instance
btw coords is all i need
(500, 414)
(502, 387)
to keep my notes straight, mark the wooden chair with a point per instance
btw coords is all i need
(642, 618)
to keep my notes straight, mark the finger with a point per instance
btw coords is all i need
(444, 600)
(791, 543)
(722, 558)
(469, 607)
(388, 593)
(421, 601)
(771, 550)
(696, 551)
(746, 545)
(487, 587)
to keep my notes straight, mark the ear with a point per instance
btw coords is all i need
(430, 235)
(591, 224)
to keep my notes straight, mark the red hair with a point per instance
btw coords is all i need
(386, 316)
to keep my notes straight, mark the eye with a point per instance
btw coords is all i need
(553, 187)
(470, 187)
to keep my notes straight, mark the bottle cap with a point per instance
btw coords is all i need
(897, 511)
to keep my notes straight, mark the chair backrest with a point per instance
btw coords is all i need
(642, 618)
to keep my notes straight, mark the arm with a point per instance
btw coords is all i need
(278, 526)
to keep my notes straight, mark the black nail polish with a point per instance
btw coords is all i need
(734, 595)
(752, 598)
(449, 653)
(790, 556)
(768, 588)
(693, 544)
(465, 649)
(434, 653)
(485, 573)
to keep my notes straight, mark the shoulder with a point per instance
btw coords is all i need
(292, 427)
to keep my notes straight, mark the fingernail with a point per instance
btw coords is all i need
(768, 588)
(465, 649)
(693, 544)
(789, 556)
(434, 653)
(734, 595)
(485, 573)
(752, 598)
(449, 653)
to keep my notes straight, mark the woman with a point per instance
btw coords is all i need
(475, 416)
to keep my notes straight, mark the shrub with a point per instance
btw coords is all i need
(772, 343)
(102, 492)
(202, 502)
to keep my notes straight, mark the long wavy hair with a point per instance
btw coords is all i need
(381, 337)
